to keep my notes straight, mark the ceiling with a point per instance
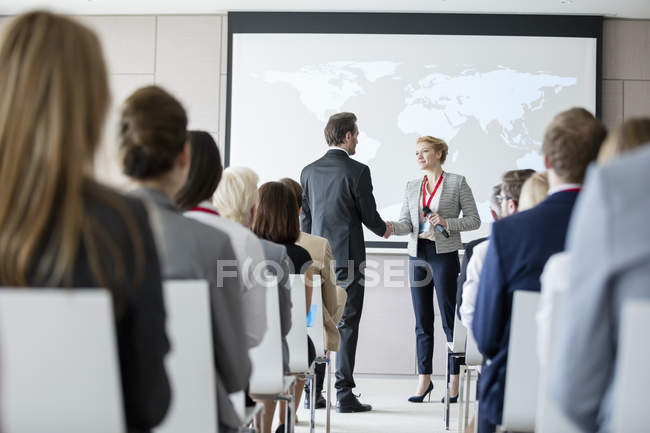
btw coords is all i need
(634, 9)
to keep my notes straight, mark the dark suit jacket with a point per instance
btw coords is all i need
(337, 200)
(519, 247)
(139, 308)
(462, 276)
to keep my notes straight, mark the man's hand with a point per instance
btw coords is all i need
(389, 229)
(435, 219)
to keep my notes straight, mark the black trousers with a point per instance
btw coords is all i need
(428, 270)
(351, 279)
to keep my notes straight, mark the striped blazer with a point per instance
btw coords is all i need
(455, 196)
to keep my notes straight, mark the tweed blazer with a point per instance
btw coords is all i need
(455, 196)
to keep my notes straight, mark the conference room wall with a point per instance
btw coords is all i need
(187, 55)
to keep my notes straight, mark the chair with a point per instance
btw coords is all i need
(549, 418)
(190, 364)
(59, 362)
(632, 377)
(297, 339)
(455, 349)
(317, 334)
(473, 363)
(520, 401)
(267, 379)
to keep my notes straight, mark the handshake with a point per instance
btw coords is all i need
(389, 230)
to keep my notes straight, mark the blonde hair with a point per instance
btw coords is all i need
(437, 144)
(53, 100)
(534, 191)
(626, 137)
(237, 194)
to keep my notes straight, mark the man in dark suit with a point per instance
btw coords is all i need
(337, 200)
(521, 244)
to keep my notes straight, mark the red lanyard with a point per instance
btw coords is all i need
(204, 209)
(424, 191)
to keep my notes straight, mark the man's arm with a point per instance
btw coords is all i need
(488, 324)
(365, 202)
(305, 215)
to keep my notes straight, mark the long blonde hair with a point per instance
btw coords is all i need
(626, 137)
(53, 100)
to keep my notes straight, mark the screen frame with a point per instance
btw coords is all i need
(576, 26)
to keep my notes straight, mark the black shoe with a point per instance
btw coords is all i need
(451, 400)
(420, 398)
(280, 429)
(352, 404)
(321, 403)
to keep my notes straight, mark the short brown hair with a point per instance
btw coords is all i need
(571, 142)
(205, 171)
(513, 180)
(626, 137)
(437, 144)
(153, 132)
(337, 126)
(276, 218)
(295, 189)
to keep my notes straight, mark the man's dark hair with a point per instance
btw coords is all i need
(294, 187)
(276, 217)
(513, 180)
(205, 171)
(337, 126)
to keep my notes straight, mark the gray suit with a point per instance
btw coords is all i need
(189, 249)
(276, 254)
(456, 195)
(608, 241)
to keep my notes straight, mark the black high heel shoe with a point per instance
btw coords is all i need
(420, 398)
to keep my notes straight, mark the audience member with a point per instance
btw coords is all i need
(534, 191)
(521, 245)
(156, 156)
(611, 271)
(626, 137)
(333, 296)
(276, 220)
(194, 199)
(58, 227)
(508, 199)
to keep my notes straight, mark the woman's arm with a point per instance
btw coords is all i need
(470, 219)
(404, 225)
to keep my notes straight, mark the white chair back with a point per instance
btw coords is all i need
(297, 338)
(632, 378)
(59, 362)
(317, 329)
(457, 345)
(549, 418)
(190, 364)
(520, 402)
(473, 356)
(266, 358)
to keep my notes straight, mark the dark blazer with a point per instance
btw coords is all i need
(139, 308)
(337, 200)
(462, 276)
(519, 247)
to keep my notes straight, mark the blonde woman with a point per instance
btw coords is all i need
(58, 227)
(430, 216)
(533, 191)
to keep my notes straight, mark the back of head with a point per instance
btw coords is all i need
(205, 171)
(295, 189)
(626, 137)
(337, 126)
(572, 142)
(534, 191)
(54, 96)
(153, 132)
(237, 194)
(513, 180)
(276, 218)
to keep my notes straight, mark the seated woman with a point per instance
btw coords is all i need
(194, 199)
(58, 227)
(276, 220)
(156, 156)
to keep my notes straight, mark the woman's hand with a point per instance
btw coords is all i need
(435, 219)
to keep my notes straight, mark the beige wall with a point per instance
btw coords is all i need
(187, 55)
